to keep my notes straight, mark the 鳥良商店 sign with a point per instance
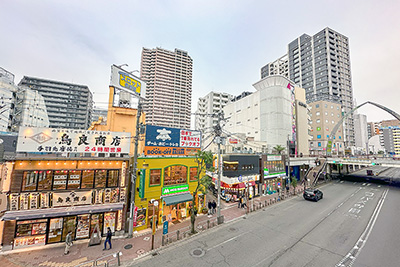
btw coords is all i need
(52, 140)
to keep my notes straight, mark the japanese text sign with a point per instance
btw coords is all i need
(53, 140)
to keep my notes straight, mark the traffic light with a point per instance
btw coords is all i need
(373, 163)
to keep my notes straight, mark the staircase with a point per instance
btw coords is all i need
(314, 173)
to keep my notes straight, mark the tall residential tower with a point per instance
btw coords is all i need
(168, 77)
(321, 65)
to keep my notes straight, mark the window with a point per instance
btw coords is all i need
(60, 180)
(155, 177)
(87, 179)
(319, 144)
(193, 174)
(318, 121)
(319, 136)
(317, 114)
(31, 227)
(74, 179)
(112, 180)
(318, 128)
(100, 178)
(317, 105)
(333, 122)
(45, 180)
(176, 174)
(29, 181)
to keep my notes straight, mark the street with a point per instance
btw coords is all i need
(296, 232)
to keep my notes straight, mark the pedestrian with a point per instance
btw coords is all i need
(68, 242)
(244, 202)
(214, 206)
(240, 202)
(108, 238)
(209, 207)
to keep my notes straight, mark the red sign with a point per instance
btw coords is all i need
(134, 216)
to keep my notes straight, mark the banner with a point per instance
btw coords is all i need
(52, 140)
(124, 80)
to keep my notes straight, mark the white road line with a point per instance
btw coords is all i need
(355, 251)
(273, 254)
(226, 241)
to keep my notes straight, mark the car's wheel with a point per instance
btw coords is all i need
(322, 196)
(316, 199)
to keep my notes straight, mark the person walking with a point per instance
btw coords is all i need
(209, 207)
(240, 201)
(244, 202)
(108, 238)
(68, 242)
(214, 206)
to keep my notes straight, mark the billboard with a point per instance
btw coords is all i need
(165, 141)
(52, 140)
(127, 88)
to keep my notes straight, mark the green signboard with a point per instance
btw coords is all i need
(142, 184)
(174, 189)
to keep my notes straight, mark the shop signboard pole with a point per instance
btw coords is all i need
(165, 227)
(154, 222)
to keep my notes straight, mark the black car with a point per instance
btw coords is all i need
(312, 194)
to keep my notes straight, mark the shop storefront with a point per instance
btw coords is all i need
(49, 198)
(53, 230)
(273, 174)
(171, 182)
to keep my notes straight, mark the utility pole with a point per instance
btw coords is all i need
(134, 170)
(218, 133)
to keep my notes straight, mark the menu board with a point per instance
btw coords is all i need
(55, 230)
(29, 241)
(109, 221)
(82, 229)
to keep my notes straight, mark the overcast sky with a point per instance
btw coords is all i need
(229, 41)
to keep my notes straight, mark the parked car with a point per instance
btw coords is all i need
(313, 194)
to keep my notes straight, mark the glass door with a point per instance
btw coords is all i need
(55, 230)
(69, 225)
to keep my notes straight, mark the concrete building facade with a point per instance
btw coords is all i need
(8, 91)
(361, 132)
(168, 75)
(68, 105)
(269, 114)
(213, 103)
(324, 116)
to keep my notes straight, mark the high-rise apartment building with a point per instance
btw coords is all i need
(212, 103)
(8, 91)
(361, 131)
(278, 67)
(168, 77)
(390, 139)
(68, 105)
(321, 65)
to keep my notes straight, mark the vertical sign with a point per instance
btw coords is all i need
(165, 228)
(134, 217)
(142, 183)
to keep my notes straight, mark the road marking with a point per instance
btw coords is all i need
(226, 241)
(349, 259)
(273, 254)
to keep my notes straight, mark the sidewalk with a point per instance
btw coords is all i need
(80, 252)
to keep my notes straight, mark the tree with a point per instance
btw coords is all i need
(204, 160)
(278, 149)
(294, 183)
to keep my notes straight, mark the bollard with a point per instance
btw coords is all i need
(265, 203)
(208, 224)
(177, 235)
(167, 240)
(163, 241)
(118, 259)
(260, 205)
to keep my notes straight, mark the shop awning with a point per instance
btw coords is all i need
(58, 212)
(176, 199)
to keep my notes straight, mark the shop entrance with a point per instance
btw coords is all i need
(175, 213)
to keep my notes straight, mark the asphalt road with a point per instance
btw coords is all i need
(349, 226)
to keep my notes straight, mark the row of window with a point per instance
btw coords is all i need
(173, 175)
(72, 179)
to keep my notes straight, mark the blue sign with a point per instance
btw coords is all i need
(165, 228)
(172, 137)
(240, 178)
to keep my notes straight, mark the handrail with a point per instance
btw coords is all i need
(115, 256)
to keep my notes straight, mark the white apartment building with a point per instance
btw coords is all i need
(361, 132)
(168, 77)
(212, 103)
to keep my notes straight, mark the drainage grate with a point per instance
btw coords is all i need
(197, 252)
(232, 229)
(147, 238)
(140, 251)
(129, 246)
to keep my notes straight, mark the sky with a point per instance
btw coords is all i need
(77, 41)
